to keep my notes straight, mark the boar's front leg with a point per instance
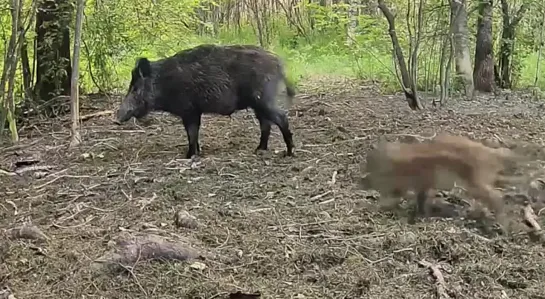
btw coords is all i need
(192, 124)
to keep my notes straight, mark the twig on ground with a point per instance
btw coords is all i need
(327, 201)
(316, 197)
(14, 207)
(147, 201)
(303, 224)
(258, 210)
(17, 147)
(89, 219)
(22, 170)
(226, 239)
(5, 172)
(34, 168)
(63, 219)
(439, 280)
(120, 131)
(49, 182)
(100, 113)
(333, 178)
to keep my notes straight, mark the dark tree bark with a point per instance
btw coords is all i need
(25, 68)
(483, 71)
(52, 50)
(509, 27)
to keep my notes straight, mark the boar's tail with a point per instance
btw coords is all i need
(290, 90)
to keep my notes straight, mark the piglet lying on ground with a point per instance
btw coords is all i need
(210, 79)
(395, 168)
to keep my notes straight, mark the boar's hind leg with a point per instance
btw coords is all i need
(265, 108)
(265, 126)
(274, 115)
(192, 124)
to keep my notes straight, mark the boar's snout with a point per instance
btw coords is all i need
(123, 113)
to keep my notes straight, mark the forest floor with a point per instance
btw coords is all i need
(285, 227)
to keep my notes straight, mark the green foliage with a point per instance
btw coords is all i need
(311, 38)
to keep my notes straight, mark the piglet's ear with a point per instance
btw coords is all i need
(143, 67)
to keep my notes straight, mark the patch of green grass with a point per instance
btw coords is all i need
(528, 72)
(322, 54)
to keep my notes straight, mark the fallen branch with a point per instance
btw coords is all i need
(8, 173)
(17, 147)
(22, 170)
(149, 247)
(439, 280)
(333, 178)
(96, 114)
(26, 231)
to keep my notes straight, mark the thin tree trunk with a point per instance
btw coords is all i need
(483, 72)
(74, 93)
(460, 31)
(507, 42)
(52, 50)
(406, 80)
(352, 22)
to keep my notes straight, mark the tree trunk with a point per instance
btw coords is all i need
(352, 22)
(460, 31)
(509, 27)
(74, 92)
(406, 80)
(10, 68)
(483, 72)
(52, 50)
(25, 68)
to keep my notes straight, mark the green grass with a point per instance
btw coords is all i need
(528, 72)
(302, 62)
(324, 54)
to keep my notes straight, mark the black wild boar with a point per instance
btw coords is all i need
(211, 79)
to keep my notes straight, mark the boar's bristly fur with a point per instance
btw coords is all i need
(211, 79)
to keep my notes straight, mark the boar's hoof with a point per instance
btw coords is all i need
(289, 153)
(260, 151)
(191, 156)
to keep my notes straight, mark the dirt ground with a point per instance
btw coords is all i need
(286, 227)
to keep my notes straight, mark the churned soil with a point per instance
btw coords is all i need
(284, 227)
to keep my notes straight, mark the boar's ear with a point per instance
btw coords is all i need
(143, 66)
